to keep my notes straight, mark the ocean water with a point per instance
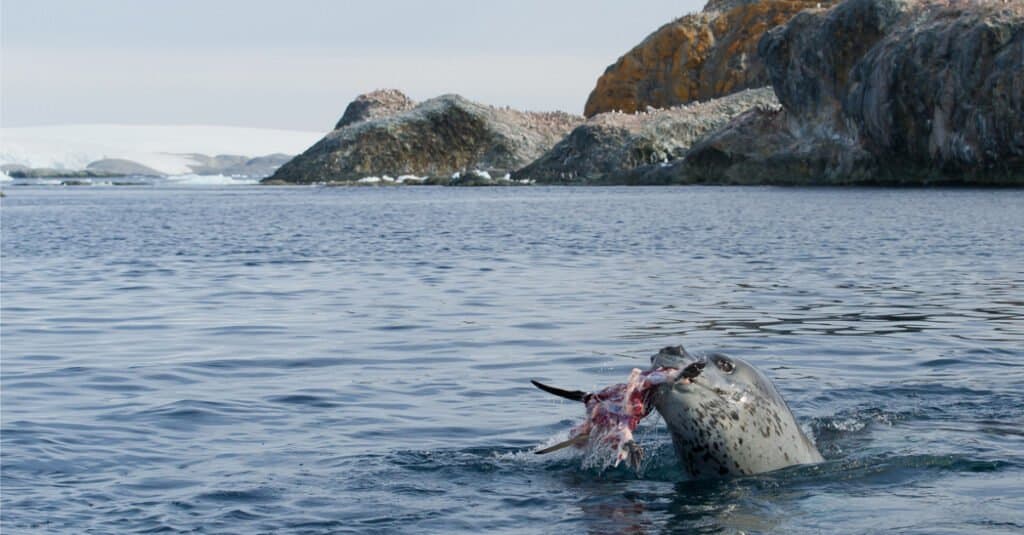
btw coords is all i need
(357, 360)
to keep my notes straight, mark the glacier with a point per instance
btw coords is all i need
(167, 149)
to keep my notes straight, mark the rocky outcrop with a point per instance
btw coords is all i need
(610, 145)
(695, 58)
(880, 92)
(944, 92)
(375, 104)
(759, 147)
(439, 137)
(810, 58)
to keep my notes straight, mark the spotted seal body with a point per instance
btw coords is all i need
(726, 418)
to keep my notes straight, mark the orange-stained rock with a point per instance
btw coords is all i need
(697, 57)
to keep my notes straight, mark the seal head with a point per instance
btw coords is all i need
(727, 418)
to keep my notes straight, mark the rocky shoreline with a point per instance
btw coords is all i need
(785, 92)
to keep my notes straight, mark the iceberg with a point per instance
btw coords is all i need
(191, 179)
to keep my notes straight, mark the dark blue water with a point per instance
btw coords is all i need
(357, 360)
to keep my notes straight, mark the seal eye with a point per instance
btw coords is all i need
(725, 365)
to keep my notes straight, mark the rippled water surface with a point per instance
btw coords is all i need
(334, 360)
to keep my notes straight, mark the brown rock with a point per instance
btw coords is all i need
(697, 57)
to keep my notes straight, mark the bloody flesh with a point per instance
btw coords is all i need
(615, 412)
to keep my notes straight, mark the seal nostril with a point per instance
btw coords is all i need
(691, 371)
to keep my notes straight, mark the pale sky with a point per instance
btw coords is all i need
(295, 64)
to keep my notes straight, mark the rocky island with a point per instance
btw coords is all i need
(385, 134)
(857, 92)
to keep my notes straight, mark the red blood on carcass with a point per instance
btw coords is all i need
(615, 412)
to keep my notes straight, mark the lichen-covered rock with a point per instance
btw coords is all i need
(375, 104)
(697, 57)
(610, 144)
(437, 138)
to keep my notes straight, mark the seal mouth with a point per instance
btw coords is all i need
(690, 378)
(691, 372)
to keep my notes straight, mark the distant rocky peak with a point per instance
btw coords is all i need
(722, 6)
(375, 104)
(725, 5)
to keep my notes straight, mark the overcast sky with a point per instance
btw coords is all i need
(295, 64)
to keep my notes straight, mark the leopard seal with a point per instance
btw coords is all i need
(725, 417)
